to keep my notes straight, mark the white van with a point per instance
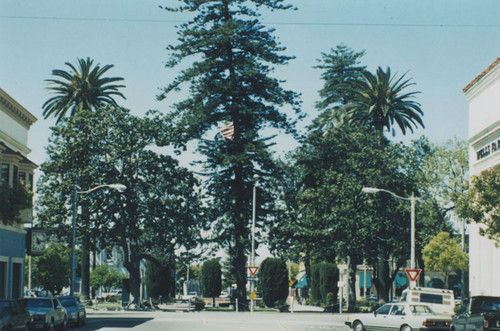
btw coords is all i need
(441, 301)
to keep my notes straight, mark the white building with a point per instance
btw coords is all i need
(483, 95)
(15, 168)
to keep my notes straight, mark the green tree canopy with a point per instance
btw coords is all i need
(444, 254)
(159, 212)
(105, 276)
(481, 202)
(160, 280)
(51, 270)
(12, 201)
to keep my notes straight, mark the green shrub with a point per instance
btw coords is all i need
(281, 305)
(273, 281)
(324, 278)
(330, 302)
(211, 278)
(365, 306)
(197, 303)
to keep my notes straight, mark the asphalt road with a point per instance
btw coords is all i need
(211, 321)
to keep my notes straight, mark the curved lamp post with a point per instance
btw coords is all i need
(119, 188)
(254, 207)
(372, 190)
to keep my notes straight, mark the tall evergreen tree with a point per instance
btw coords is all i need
(230, 80)
(340, 67)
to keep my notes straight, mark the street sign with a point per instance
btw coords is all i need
(290, 282)
(253, 270)
(413, 274)
(252, 295)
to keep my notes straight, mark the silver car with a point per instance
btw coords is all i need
(400, 317)
(47, 313)
(77, 314)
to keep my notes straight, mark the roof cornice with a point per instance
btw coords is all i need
(16, 111)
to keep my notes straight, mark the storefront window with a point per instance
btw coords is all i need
(3, 279)
(4, 173)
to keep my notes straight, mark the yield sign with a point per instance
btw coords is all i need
(413, 274)
(253, 270)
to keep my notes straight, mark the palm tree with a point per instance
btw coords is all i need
(81, 88)
(379, 101)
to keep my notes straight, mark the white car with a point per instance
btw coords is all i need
(400, 317)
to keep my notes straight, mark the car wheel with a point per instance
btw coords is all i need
(63, 325)
(358, 326)
(406, 328)
(83, 320)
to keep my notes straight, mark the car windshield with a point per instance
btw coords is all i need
(39, 303)
(485, 304)
(420, 310)
(68, 302)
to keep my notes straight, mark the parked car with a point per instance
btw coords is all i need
(478, 313)
(190, 295)
(77, 314)
(13, 315)
(400, 316)
(47, 313)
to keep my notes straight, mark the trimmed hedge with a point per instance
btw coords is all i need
(273, 281)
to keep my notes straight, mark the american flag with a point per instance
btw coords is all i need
(227, 130)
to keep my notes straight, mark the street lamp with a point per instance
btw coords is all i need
(253, 218)
(254, 196)
(371, 190)
(119, 188)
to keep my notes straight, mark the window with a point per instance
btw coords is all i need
(4, 173)
(384, 310)
(22, 177)
(30, 181)
(420, 310)
(3, 279)
(398, 310)
(431, 298)
(17, 280)
(15, 174)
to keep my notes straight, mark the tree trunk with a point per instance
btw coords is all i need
(383, 278)
(133, 268)
(352, 281)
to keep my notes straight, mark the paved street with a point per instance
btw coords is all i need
(193, 321)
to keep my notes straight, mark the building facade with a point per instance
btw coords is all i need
(15, 169)
(483, 95)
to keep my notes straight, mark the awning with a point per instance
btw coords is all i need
(362, 279)
(302, 281)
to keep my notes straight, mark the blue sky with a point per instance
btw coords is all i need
(442, 45)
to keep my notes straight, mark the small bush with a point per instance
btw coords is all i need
(330, 302)
(281, 305)
(198, 303)
(365, 306)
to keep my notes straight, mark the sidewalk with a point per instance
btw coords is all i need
(297, 307)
